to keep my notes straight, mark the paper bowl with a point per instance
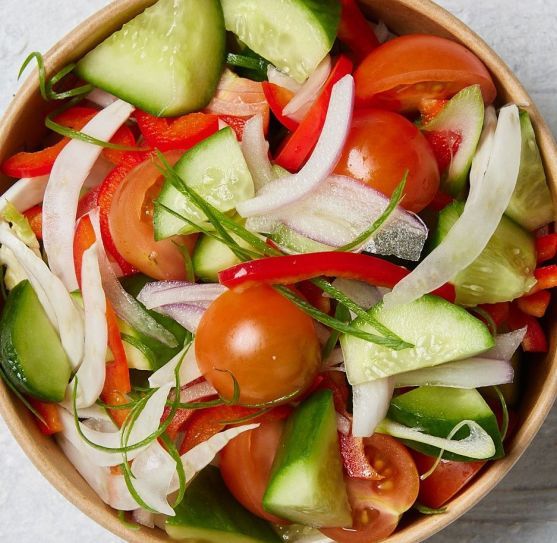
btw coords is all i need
(22, 127)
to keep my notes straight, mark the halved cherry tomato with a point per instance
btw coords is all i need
(245, 465)
(446, 481)
(381, 146)
(129, 217)
(262, 340)
(378, 504)
(402, 73)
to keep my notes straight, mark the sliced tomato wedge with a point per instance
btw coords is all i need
(355, 31)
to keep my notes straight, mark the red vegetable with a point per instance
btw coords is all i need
(535, 304)
(547, 278)
(290, 269)
(51, 423)
(535, 340)
(35, 218)
(278, 98)
(440, 201)
(299, 145)
(498, 312)
(180, 133)
(355, 31)
(546, 247)
(355, 461)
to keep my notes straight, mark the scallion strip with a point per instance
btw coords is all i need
(251, 63)
(188, 264)
(173, 452)
(343, 315)
(127, 524)
(505, 410)
(141, 347)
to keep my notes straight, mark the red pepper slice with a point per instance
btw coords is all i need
(546, 247)
(299, 145)
(26, 164)
(180, 133)
(278, 98)
(51, 416)
(314, 295)
(354, 31)
(35, 217)
(535, 340)
(88, 202)
(104, 200)
(290, 269)
(547, 278)
(355, 460)
(535, 304)
(498, 312)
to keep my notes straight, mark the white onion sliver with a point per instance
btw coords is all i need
(143, 517)
(152, 297)
(320, 165)
(189, 370)
(478, 445)
(25, 193)
(298, 107)
(188, 315)
(55, 299)
(197, 392)
(91, 374)
(506, 345)
(364, 294)
(124, 304)
(343, 424)
(371, 403)
(69, 172)
(487, 201)
(470, 373)
(256, 152)
(282, 80)
(101, 98)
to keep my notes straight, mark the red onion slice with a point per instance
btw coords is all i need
(197, 392)
(68, 175)
(371, 403)
(290, 189)
(177, 292)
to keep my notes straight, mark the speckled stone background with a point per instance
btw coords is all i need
(523, 509)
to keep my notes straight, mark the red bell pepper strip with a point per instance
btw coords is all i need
(51, 422)
(203, 424)
(355, 32)
(535, 304)
(314, 295)
(290, 269)
(499, 312)
(299, 145)
(535, 340)
(88, 202)
(180, 133)
(546, 247)
(117, 381)
(546, 277)
(278, 98)
(104, 200)
(26, 164)
(35, 217)
(355, 460)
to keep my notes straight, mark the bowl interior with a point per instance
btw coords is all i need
(22, 128)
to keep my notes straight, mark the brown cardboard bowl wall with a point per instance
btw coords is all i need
(22, 127)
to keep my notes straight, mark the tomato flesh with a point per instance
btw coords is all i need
(445, 144)
(402, 73)
(381, 147)
(260, 338)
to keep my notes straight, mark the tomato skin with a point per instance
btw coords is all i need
(403, 72)
(263, 340)
(446, 481)
(245, 465)
(381, 146)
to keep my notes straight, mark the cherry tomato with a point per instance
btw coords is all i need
(447, 479)
(403, 72)
(245, 465)
(262, 340)
(131, 224)
(381, 146)
(378, 504)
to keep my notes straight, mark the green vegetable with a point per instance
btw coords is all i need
(306, 483)
(440, 331)
(180, 48)
(295, 35)
(209, 513)
(503, 271)
(31, 353)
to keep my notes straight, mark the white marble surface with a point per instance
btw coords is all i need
(523, 508)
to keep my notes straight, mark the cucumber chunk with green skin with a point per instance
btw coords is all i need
(440, 332)
(217, 170)
(209, 513)
(295, 35)
(31, 353)
(166, 61)
(437, 410)
(306, 483)
(503, 271)
(531, 204)
(462, 117)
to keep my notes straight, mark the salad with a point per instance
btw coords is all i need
(274, 271)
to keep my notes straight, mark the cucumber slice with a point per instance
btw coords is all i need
(210, 514)
(31, 353)
(503, 271)
(217, 170)
(295, 35)
(440, 332)
(437, 410)
(210, 257)
(166, 61)
(531, 204)
(306, 483)
(463, 116)
(293, 242)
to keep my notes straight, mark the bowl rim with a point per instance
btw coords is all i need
(418, 530)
